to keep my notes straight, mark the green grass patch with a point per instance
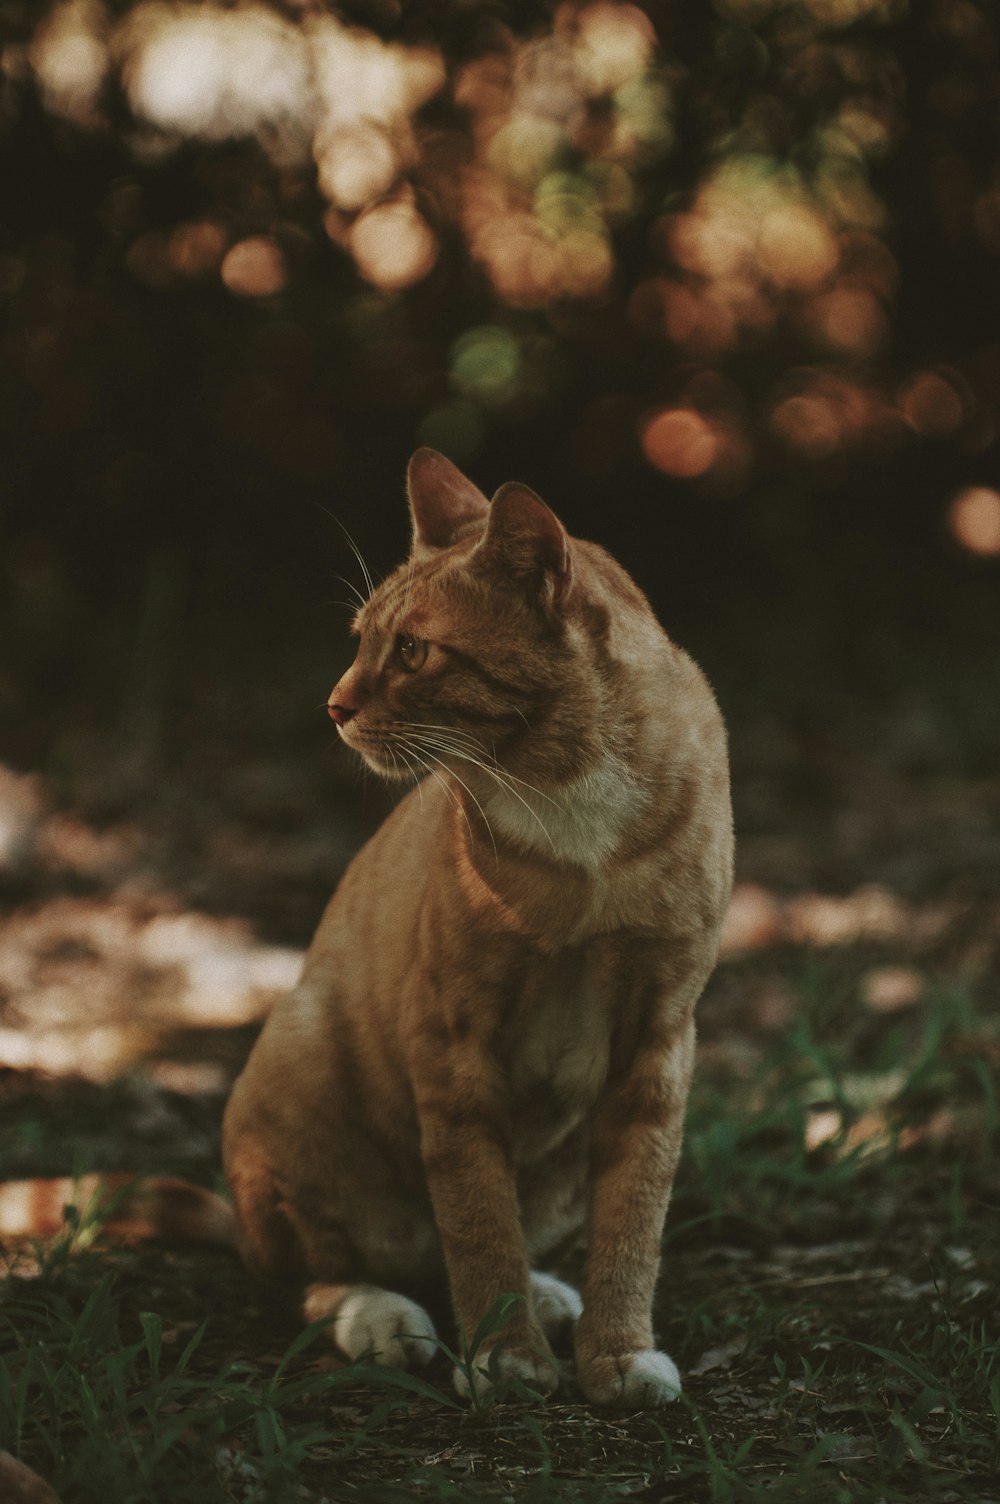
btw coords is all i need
(829, 1291)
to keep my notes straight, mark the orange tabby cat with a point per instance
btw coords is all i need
(491, 1044)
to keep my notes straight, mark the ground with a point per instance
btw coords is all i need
(831, 1258)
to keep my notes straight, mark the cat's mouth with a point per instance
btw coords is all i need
(376, 751)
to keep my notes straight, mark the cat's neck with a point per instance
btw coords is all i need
(627, 785)
(580, 823)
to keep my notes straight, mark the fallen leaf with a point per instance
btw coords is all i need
(719, 1357)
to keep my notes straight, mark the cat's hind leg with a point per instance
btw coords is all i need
(558, 1307)
(556, 1304)
(369, 1322)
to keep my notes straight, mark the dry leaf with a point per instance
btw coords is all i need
(719, 1357)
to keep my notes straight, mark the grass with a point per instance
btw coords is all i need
(829, 1286)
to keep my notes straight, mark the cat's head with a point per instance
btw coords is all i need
(468, 650)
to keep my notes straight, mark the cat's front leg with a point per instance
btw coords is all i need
(636, 1145)
(465, 1149)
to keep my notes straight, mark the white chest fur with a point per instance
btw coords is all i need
(580, 823)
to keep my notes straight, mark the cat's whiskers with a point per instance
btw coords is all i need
(503, 781)
(443, 738)
(351, 606)
(455, 731)
(507, 780)
(355, 550)
(449, 792)
(424, 752)
(417, 782)
(486, 760)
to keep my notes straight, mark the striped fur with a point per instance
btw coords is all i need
(489, 1052)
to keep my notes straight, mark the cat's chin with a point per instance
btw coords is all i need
(374, 755)
(384, 766)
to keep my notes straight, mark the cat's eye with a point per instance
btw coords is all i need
(411, 652)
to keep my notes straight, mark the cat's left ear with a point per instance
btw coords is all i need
(443, 502)
(529, 539)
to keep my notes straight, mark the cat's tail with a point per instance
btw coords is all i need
(119, 1208)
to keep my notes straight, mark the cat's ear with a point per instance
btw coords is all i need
(529, 539)
(443, 501)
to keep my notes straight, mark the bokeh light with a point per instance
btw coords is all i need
(358, 77)
(356, 163)
(974, 519)
(808, 424)
(542, 156)
(487, 363)
(849, 319)
(196, 248)
(542, 232)
(69, 56)
(366, 90)
(393, 245)
(255, 268)
(680, 442)
(200, 70)
(932, 404)
(796, 246)
(615, 43)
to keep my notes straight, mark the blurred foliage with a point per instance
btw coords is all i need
(740, 259)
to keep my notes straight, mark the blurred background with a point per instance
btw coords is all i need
(719, 281)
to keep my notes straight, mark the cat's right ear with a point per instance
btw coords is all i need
(443, 501)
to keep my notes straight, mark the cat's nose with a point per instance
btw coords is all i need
(341, 713)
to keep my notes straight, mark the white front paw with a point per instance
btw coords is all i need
(556, 1304)
(385, 1327)
(491, 1371)
(642, 1380)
